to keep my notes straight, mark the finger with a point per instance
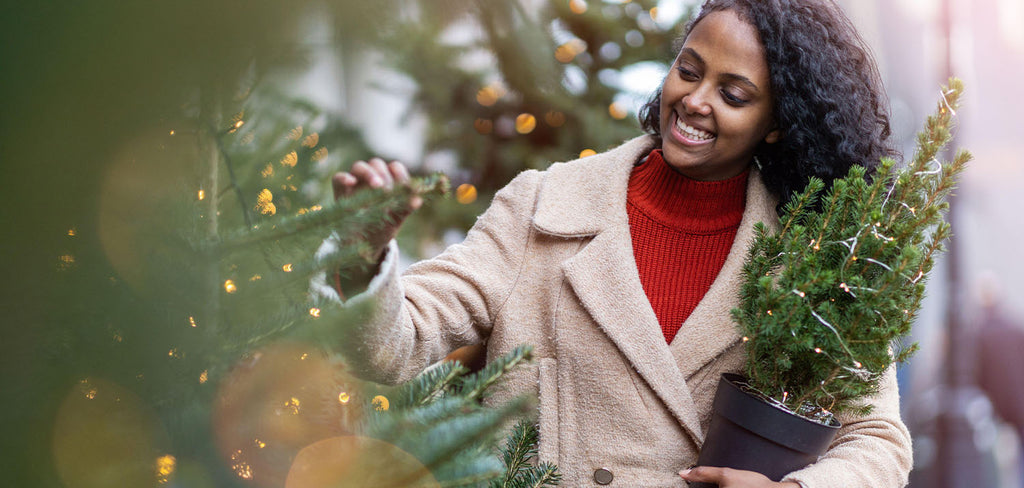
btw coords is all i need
(705, 474)
(343, 184)
(367, 174)
(398, 172)
(381, 169)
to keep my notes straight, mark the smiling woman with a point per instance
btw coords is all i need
(621, 268)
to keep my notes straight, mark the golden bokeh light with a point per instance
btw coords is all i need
(578, 6)
(525, 123)
(568, 51)
(554, 118)
(290, 159)
(295, 134)
(292, 406)
(72, 232)
(165, 466)
(314, 312)
(267, 170)
(488, 95)
(381, 403)
(172, 132)
(265, 202)
(192, 321)
(311, 140)
(483, 126)
(344, 398)
(201, 195)
(204, 376)
(287, 268)
(465, 193)
(618, 111)
(357, 462)
(65, 262)
(587, 153)
(229, 286)
(319, 154)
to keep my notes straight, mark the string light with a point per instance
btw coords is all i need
(229, 286)
(525, 123)
(319, 154)
(344, 398)
(192, 320)
(201, 195)
(204, 376)
(311, 140)
(554, 118)
(290, 159)
(287, 268)
(381, 403)
(465, 193)
(165, 466)
(617, 111)
(314, 312)
(483, 126)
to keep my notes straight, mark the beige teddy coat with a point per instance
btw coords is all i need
(551, 264)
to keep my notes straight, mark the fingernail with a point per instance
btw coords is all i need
(376, 182)
(684, 472)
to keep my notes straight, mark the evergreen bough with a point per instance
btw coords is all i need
(828, 300)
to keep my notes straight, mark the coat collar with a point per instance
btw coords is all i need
(587, 198)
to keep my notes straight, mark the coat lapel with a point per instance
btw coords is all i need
(587, 198)
(604, 276)
(710, 330)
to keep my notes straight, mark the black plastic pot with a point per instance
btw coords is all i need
(747, 433)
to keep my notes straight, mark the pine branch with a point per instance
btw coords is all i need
(474, 385)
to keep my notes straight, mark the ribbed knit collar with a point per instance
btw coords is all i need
(681, 203)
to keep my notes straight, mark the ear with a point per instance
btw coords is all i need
(773, 136)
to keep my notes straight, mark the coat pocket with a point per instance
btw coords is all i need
(547, 377)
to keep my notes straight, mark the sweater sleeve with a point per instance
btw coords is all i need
(872, 451)
(447, 302)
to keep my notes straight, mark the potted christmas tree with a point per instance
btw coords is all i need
(826, 302)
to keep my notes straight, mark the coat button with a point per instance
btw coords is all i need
(603, 476)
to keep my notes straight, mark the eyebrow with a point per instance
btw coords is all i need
(730, 76)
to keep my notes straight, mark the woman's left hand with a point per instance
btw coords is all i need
(732, 478)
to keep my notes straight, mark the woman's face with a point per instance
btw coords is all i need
(716, 102)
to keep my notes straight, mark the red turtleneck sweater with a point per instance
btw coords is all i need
(682, 230)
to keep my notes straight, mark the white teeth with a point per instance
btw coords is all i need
(693, 132)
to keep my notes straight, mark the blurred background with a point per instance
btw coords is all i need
(132, 134)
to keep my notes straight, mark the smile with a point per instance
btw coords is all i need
(692, 133)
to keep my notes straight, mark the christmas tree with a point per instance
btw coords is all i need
(828, 298)
(157, 327)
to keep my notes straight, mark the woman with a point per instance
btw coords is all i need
(621, 269)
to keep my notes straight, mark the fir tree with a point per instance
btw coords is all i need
(828, 300)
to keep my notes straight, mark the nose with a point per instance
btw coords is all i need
(696, 102)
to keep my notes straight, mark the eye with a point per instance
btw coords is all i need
(733, 99)
(687, 73)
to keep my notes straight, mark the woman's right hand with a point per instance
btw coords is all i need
(377, 174)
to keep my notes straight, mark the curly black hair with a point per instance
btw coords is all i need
(829, 101)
